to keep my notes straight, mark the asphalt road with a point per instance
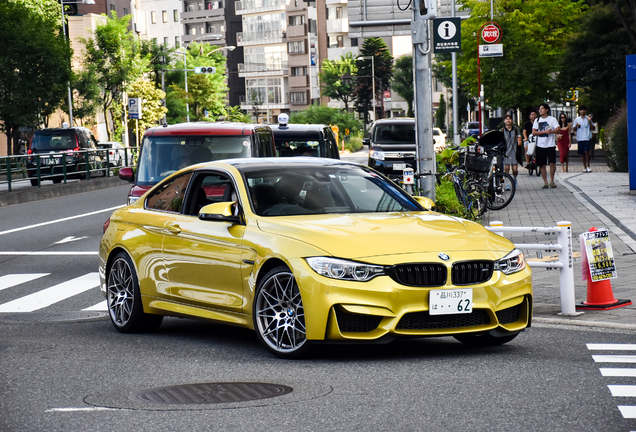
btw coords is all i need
(81, 375)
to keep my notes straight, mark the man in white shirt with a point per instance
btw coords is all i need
(583, 126)
(545, 128)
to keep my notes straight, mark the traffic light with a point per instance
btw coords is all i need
(205, 69)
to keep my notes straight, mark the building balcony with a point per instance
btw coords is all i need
(298, 81)
(263, 69)
(256, 6)
(205, 13)
(338, 26)
(260, 38)
(217, 38)
(297, 31)
(246, 106)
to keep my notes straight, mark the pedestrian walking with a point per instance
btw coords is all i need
(527, 136)
(583, 126)
(545, 128)
(513, 141)
(563, 142)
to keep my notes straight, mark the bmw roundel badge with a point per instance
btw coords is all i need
(443, 257)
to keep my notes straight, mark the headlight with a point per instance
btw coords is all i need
(511, 263)
(376, 154)
(343, 269)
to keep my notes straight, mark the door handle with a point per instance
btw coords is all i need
(173, 229)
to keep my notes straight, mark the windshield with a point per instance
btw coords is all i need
(57, 140)
(305, 144)
(403, 133)
(472, 126)
(163, 155)
(312, 189)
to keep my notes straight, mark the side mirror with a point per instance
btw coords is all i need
(366, 141)
(427, 203)
(126, 173)
(221, 212)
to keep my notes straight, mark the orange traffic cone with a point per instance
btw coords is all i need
(599, 294)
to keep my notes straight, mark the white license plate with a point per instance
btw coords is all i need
(51, 161)
(451, 301)
(399, 167)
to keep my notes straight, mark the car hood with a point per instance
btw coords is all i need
(364, 235)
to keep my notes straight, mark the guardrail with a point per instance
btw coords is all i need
(565, 263)
(63, 165)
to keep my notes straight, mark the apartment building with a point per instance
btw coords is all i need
(160, 21)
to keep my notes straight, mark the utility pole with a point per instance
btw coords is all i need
(423, 12)
(456, 137)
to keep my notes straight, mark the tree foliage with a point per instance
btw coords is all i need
(381, 67)
(34, 65)
(317, 114)
(331, 79)
(534, 38)
(440, 114)
(152, 108)
(402, 82)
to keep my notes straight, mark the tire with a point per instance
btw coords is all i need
(477, 198)
(57, 180)
(34, 182)
(279, 318)
(484, 339)
(501, 191)
(124, 299)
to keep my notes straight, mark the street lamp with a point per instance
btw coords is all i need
(229, 48)
(70, 97)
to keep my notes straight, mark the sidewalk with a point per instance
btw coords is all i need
(598, 199)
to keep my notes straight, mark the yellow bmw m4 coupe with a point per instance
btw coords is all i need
(308, 250)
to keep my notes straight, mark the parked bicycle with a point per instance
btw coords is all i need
(469, 193)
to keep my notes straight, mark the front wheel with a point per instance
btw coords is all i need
(501, 190)
(279, 316)
(124, 299)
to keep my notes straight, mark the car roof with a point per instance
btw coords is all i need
(206, 128)
(297, 128)
(51, 131)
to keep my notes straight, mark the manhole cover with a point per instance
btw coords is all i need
(210, 393)
(37, 317)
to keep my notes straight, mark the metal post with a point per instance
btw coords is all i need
(70, 97)
(185, 67)
(456, 137)
(9, 167)
(566, 274)
(163, 89)
(425, 154)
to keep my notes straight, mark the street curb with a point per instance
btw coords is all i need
(57, 190)
(576, 322)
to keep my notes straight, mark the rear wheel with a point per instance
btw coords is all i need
(279, 316)
(34, 182)
(124, 299)
(501, 190)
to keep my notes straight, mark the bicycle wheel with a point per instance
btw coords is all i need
(477, 198)
(501, 190)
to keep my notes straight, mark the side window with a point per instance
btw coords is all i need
(209, 188)
(265, 144)
(169, 195)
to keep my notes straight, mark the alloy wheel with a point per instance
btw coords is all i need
(121, 289)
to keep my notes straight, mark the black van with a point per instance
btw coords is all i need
(62, 146)
(392, 146)
(314, 140)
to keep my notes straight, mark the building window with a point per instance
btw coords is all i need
(339, 14)
(154, 40)
(297, 47)
(153, 17)
(336, 41)
(296, 20)
(298, 97)
(354, 42)
(125, 11)
(176, 41)
(175, 14)
(164, 15)
(299, 71)
(165, 41)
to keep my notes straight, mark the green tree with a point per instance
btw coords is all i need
(34, 65)
(235, 114)
(381, 67)
(114, 54)
(152, 108)
(440, 114)
(331, 79)
(317, 114)
(402, 82)
(595, 62)
(534, 37)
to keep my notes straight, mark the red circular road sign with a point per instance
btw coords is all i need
(491, 33)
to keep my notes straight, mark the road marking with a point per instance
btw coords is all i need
(54, 294)
(618, 372)
(623, 390)
(12, 280)
(59, 220)
(82, 409)
(70, 239)
(100, 307)
(47, 253)
(628, 411)
(614, 358)
(616, 347)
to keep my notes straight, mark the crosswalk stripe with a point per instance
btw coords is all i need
(54, 294)
(615, 347)
(623, 390)
(12, 280)
(628, 411)
(99, 307)
(618, 372)
(614, 358)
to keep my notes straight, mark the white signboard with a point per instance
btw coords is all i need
(134, 108)
(599, 255)
(493, 50)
